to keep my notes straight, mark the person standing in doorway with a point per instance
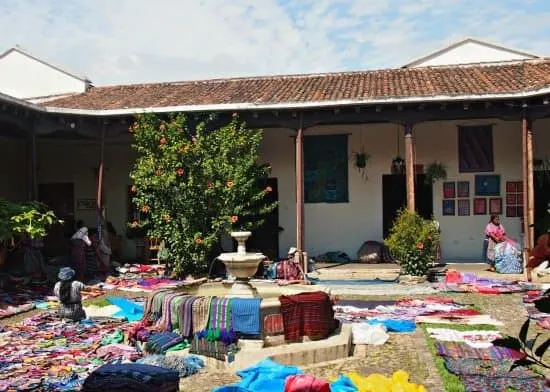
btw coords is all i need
(494, 234)
(79, 242)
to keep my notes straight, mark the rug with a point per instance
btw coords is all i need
(462, 351)
(246, 315)
(480, 367)
(499, 384)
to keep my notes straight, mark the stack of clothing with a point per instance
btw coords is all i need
(163, 342)
(307, 314)
(185, 365)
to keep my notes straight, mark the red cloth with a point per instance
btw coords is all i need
(307, 314)
(453, 277)
(306, 383)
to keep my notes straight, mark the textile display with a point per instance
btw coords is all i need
(499, 384)
(307, 314)
(476, 339)
(217, 349)
(485, 368)
(246, 315)
(159, 343)
(185, 365)
(273, 324)
(457, 282)
(462, 351)
(201, 313)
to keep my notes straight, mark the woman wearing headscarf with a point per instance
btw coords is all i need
(68, 291)
(79, 242)
(494, 234)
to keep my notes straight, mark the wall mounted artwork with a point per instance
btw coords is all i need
(463, 189)
(480, 206)
(449, 190)
(487, 185)
(514, 199)
(448, 207)
(464, 207)
(495, 206)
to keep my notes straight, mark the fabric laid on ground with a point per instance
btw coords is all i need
(470, 283)
(246, 315)
(529, 299)
(62, 353)
(139, 278)
(369, 334)
(395, 325)
(185, 365)
(463, 351)
(476, 339)
(129, 310)
(307, 314)
(486, 368)
(499, 384)
(459, 319)
(160, 342)
(217, 349)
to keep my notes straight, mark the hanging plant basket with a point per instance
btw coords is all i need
(398, 166)
(360, 161)
(435, 171)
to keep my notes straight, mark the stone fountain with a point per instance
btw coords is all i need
(242, 265)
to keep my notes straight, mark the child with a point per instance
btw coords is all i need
(68, 290)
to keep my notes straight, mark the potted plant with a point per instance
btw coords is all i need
(413, 242)
(435, 171)
(360, 160)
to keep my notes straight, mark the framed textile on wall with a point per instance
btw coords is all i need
(448, 207)
(449, 190)
(480, 206)
(514, 199)
(495, 206)
(463, 189)
(487, 185)
(464, 207)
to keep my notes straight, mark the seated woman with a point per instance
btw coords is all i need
(494, 234)
(68, 290)
(539, 255)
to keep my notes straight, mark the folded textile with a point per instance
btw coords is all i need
(499, 384)
(307, 314)
(487, 368)
(395, 325)
(477, 339)
(246, 315)
(201, 313)
(129, 310)
(216, 349)
(184, 365)
(462, 351)
(159, 342)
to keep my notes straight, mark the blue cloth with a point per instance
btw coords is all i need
(139, 372)
(265, 376)
(245, 314)
(484, 251)
(184, 365)
(343, 384)
(66, 273)
(508, 259)
(395, 325)
(129, 310)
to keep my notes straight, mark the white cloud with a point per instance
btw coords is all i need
(126, 41)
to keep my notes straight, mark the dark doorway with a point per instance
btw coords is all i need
(60, 198)
(265, 239)
(394, 197)
(542, 202)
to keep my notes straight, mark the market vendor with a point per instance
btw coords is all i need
(68, 291)
(79, 242)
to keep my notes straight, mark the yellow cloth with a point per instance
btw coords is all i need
(399, 382)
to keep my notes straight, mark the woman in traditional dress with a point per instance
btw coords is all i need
(494, 234)
(68, 291)
(539, 256)
(79, 241)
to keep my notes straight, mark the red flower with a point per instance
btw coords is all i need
(145, 209)
(230, 184)
(198, 241)
(269, 189)
(420, 246)
(167, 218)
(157, 172)
(234, 218)
(163, 140)
(134, 188)
(180, 172)
(210, 185)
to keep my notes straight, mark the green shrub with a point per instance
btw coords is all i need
(413, 241)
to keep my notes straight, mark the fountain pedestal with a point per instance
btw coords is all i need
(242, 265)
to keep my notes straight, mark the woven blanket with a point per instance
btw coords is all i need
(175, 311)
(273, 324)
(480, 367)
(158, 343)
(184, 365)
(500, 384)
(462, 351)
(220, 314)
(307, 314)
(186, 316)
(201, 313)
(218, 350)
(246, 315)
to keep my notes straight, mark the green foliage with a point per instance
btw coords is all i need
(413, 241)
(435, 171)
(31, 218)
(192, 184)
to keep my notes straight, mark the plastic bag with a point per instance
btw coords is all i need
(379, 383)
(306, 383)
(369, 334)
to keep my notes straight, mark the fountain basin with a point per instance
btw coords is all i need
(241, 265)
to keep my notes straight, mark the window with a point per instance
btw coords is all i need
(326, 169)
(475, 149)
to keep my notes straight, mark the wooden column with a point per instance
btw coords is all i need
(409, 166)
(525, 175)
(530, 185)
(300, 188)
(101, 168)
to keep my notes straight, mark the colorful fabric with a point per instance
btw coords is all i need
(246, 315)
(306, 383)
(158, 343)
(273, 324)
(462, 351)
(201, 313)
(217, 349)
(508, 258)
(184, 365)
(220, 318)
(485, 368)
(307, 314)
(499, 384)
(476, 339)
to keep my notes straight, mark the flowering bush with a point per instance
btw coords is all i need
(192, 183)
(413, 241)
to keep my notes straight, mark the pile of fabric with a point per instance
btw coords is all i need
(458, 282)
(481, 366)
(139, 278)
(529, 299)
(270, 376)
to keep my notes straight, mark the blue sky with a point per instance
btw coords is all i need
(129, 41)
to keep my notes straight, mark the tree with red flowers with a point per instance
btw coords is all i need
(194, 183)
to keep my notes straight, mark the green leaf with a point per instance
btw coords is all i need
(524, 362)
(508, 342)
(539, 352)
(523, 331)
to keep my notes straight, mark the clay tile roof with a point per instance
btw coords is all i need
(367, 87)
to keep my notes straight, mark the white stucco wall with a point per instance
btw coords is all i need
(327, 226)
(471, 52)
(24, 77)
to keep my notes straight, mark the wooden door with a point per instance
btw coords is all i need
(60, 198)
